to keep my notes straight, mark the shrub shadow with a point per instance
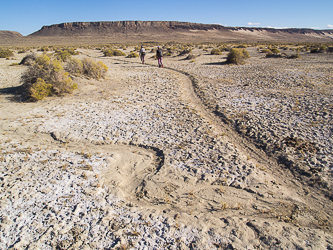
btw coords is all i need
(216, 63)
(14, 94)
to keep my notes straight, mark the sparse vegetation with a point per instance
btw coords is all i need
(6, 53)
(185, 52)
(215, 52)
(133, 55)
(46, 77)
(237, 56)
(74, 67)
(113, 52)
(96, 70)
(28, 59)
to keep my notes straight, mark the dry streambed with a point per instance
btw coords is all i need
(136, 161)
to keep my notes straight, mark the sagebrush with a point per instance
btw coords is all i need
(237, 56)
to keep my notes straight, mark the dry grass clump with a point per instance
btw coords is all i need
(44, 78)
(6, 53)
(96, 70)
(113, 52)
(185, 52)
(237, 56)
(318, 49)
(216, 52)
(191, 57)
(65, 54)
(133, 55)
(28, 60)
(75, 67)
(86, 67)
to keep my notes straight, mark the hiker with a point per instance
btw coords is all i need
(159, 56)
(142, 54)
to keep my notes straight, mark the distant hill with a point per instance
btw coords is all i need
(9, 34)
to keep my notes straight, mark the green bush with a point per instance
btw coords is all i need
(6, 53)
(133, 55)
(237, 56)
(215, 52)
(45, 77)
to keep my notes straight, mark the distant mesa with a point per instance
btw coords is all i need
(123, 27)
(162, 31)
(181, 31)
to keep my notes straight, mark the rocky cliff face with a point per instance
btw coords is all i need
(109, 28)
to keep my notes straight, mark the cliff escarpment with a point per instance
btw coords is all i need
(122, 27)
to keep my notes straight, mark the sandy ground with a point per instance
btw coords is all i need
(154, 158)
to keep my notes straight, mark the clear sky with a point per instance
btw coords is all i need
(28, 16)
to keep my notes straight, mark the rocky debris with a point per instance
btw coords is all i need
(284, 106)
(53, 197)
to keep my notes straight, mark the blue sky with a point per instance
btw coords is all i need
(28, 16)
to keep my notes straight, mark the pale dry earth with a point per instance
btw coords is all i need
(145, 160)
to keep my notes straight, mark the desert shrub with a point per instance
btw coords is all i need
(215, 52)
(266, 51)
(21, 51)
(113, 52)
(45, 77)
(294, 56)
(225, 49)
(40, 89)
(108, 52)
(74, 67)
(133, 55)
(62, 83)
(6, 53)
(184, 52)
(62, 55)
(28, 59)
(275, 50)
(237, 56)
(94, 70)
(44, 48)
(117, 52)
(191, 57)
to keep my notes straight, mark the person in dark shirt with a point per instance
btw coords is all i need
(159, 55)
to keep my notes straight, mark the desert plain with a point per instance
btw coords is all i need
(196, 155)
